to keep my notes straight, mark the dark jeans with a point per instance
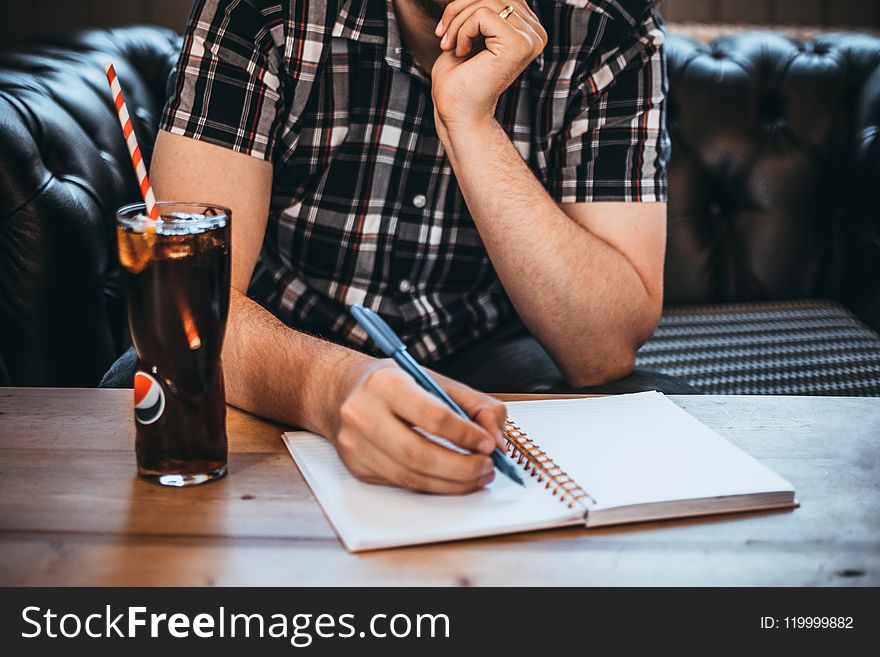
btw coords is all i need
(509, 360)
(121, 373)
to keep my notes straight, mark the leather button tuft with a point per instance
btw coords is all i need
(772, 109)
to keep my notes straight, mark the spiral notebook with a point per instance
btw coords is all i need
(591, 462)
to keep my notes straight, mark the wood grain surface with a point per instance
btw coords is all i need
(73, 512)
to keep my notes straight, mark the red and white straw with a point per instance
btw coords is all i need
(134, 150)
(137, 160)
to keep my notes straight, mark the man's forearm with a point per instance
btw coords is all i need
(367, 407)
(280, 373)
(580, 296)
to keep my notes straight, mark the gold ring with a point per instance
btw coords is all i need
(507, 11)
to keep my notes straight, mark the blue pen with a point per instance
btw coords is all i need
(393, 347)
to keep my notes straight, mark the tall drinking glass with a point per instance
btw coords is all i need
(176, 276)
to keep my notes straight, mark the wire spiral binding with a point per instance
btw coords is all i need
(535, 461)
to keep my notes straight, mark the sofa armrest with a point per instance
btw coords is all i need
(64, 169)
(861, 234)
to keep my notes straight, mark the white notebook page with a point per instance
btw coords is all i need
(368, 516)
(640, 449)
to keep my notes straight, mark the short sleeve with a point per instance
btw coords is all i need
(226, 88)
(615, 146)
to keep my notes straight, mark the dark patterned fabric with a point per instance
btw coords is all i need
(783, 348)
(365, 206)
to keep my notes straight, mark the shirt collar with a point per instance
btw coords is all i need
(367, 21)
(359, 20)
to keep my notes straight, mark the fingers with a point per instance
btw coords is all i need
(376, 467)
(418, 454)
(484, 23)
(388, 451)
(452, 35)
(376, 440)
(484, 410)
(417, 408)
(454, 40)
(450, 12)
(482, 20)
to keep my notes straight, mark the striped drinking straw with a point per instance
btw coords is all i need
(137, 160)
(131, 141)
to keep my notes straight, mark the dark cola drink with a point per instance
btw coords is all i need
(176, 278)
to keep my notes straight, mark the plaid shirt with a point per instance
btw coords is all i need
(365, 206)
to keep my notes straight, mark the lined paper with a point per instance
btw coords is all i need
(641, 449)
(368, 516)
(638, 456)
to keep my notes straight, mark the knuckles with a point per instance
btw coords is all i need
(413, 455)
(484, 11)
(525, 46)
(530, 46)
(497, 410)
(543, 34)
(434, 417)
(349, 413)
(345, 441)
(380, 377)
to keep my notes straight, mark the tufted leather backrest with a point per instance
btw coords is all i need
(775, 163)
(64, 169)
(774, 171)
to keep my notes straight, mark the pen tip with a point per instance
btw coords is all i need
(515, 476)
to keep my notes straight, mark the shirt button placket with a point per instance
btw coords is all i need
(419, 201)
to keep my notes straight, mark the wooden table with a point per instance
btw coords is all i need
(73, 512)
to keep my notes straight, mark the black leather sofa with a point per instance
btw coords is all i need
(773, 268)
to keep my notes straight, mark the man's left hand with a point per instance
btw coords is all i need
(483, 54)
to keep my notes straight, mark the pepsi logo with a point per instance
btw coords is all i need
(149, 398)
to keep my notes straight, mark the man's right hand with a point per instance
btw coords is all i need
(375, 438)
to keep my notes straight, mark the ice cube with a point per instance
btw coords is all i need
(136, 247)
(175, 247)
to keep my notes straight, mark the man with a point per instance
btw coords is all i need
(489, 175)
